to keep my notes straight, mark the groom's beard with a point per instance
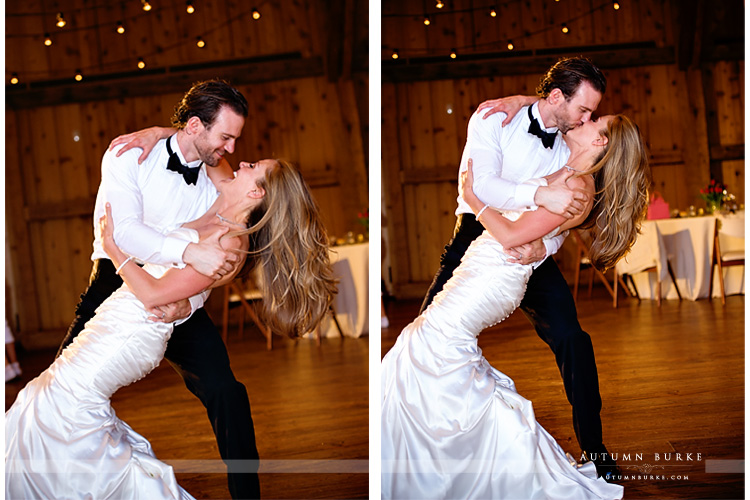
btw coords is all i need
(210, 157)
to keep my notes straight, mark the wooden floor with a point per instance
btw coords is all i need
(671, 380)
(309, 407)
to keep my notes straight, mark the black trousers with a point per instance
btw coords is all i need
(198, 354)
(549, 305)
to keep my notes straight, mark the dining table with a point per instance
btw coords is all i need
(688, 243)
(350, 267)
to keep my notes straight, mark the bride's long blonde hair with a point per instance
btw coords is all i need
(622, 178)
(289, 245)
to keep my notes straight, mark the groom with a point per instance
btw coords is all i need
(506, 160)
(170, 188)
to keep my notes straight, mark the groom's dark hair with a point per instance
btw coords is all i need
(567, 74)
(205, 100)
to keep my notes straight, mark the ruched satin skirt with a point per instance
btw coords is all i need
(452, 426)
(62, 437)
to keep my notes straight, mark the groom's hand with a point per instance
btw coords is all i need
(170, 312)
(559, 199)
(209, 258)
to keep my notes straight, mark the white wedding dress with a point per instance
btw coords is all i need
(452, 426)
(62, 437)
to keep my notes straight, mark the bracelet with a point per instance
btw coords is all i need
(482, 211)
(119, 268)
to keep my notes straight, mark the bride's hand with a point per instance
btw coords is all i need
(107, 229)
(466, 183)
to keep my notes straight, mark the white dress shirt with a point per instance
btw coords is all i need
(147, 202)
(508, 163)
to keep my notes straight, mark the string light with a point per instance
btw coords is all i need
(141, 63)
(14, 78)
(146, 5)
(120, 27)
(256, 14)
(493, 13)
(190, 8)
(510, 45)
(426, 20)
(79, 75)
(47, 40)
(565, 28)
(439, 4)
(616, 5)
(395, 54)
(453, 53)
(60, 20)
(200, 43)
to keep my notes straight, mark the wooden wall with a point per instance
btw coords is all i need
(692, 115)
(57, 131)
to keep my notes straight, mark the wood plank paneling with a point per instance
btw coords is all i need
(295, 112)
(667, 104)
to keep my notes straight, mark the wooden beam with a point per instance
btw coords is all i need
(688, 24)
(522, 62)
(712, 121)
(335, 26)
(80, 207)
(166, 80)
(665, 157)
(448, 173)
(728, 152)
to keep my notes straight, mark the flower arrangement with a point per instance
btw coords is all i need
(713, 194)
(364, 219)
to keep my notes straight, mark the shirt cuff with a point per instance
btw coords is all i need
(524, 196)
(173, 249)
(196, 302)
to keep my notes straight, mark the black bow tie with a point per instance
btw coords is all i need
(548, 138)
(190, 174)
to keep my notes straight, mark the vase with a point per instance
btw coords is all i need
(713, 207)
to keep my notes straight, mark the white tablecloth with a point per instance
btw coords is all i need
(350, 266)
(689, 243)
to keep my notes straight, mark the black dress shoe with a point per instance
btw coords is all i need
(606, 466)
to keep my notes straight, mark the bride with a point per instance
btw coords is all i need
(452, 426)
(62, 437)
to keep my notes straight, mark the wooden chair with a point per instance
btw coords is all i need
(582, 259)
(647, 255)
(732, 232)
(242, 292)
